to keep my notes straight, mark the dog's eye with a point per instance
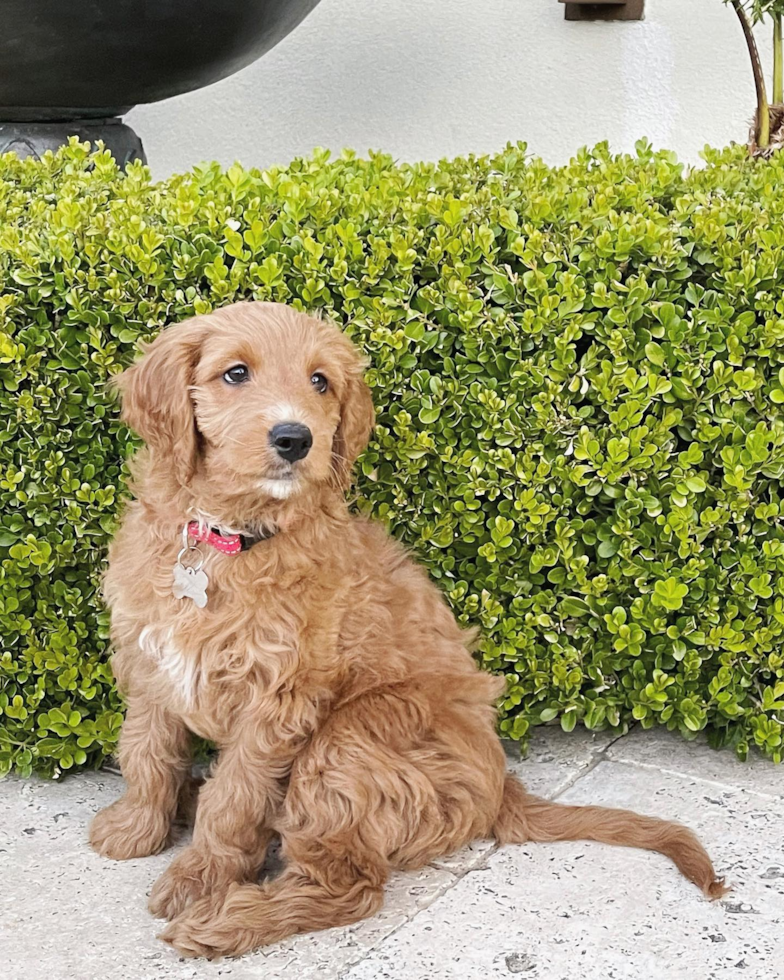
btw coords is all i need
(236, 375)
(319, 382)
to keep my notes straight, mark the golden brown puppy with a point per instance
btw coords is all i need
(350, 716)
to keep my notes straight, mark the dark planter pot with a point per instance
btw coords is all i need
(75, 66)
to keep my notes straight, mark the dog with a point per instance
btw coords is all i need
(249, 607)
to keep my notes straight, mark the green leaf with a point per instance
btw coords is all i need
(670, 593)
(574, 606)
(568, 721)
(655, 353)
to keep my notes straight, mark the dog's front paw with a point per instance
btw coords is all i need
(190, 876)
(180, 884)
(129, 830)
(212, 929)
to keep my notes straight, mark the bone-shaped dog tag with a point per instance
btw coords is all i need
(190, 583)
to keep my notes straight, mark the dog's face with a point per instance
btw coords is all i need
(260, 397)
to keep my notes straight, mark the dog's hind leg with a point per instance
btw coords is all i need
(256, 915)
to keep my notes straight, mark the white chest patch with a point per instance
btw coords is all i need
(181, 669)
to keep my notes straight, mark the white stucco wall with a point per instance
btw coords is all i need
(423, 79)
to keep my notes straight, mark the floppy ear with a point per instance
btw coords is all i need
(357, 417)
(156, 399)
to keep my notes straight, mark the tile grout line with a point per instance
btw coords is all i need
(448, 886)
(596, 760)
(700, 779)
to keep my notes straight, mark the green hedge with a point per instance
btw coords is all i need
(580, 380)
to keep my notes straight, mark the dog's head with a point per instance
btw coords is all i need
(257, 395)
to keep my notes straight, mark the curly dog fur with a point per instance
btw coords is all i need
(349, 713)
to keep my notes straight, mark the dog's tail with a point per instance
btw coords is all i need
(524, 817)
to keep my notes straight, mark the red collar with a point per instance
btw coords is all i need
(229, 544)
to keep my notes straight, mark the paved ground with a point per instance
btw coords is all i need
(541, 912)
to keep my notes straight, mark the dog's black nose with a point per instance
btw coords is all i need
(291, 441)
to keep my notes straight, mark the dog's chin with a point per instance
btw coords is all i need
(280, 487)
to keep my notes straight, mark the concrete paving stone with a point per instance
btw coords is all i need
(660, 749)
(68, 914)
(542, 911)
(583, 911)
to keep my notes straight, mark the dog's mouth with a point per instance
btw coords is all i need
(280, 485)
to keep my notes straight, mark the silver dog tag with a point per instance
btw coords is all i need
(190, 583)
